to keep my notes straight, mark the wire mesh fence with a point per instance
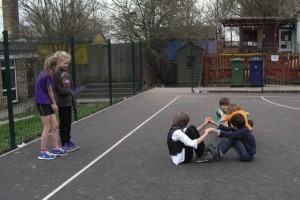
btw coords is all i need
(104, 84)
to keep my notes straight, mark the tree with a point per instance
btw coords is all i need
(220, 9)
(269, 8)
(154, 22)
(61, 19)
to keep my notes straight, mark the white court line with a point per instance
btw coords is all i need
(279, 104)
(106, 152)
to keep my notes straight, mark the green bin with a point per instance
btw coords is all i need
(237, 72)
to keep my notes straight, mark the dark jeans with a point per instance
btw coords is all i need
(65, 121)
(193, 133)
(227, 143)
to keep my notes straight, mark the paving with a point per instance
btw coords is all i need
(123, 153)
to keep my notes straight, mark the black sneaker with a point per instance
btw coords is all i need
(206, 157)
(215, 152)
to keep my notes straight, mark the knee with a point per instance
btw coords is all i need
(192, 128)
(55, 127)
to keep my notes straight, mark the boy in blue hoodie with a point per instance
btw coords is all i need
(238, 136)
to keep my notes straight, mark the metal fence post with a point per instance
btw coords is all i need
(72, 41)
(109, 71)
(8, 91)
(192, 66)
(133, 67)
(141, 65)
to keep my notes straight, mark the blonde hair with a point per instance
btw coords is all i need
(61, 55)
(180, 120)
(49, 65)
(233, 107)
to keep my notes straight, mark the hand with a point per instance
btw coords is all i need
(211, 130)
(208, 119)
(54, 107)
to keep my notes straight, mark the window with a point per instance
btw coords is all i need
(249, 37)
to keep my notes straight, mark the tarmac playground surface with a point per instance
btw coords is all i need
(123, 154)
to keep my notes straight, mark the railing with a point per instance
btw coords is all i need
(277, 69)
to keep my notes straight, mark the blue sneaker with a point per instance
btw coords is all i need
(46, 156)
(59, 152)
(69, 147)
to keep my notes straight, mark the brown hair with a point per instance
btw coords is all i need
(49, 65)
(224, 101)
(233, 107)
(180, 120)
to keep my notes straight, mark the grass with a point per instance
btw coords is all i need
(30, 126)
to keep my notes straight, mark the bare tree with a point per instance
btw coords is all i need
(154, 22)
(55, 19)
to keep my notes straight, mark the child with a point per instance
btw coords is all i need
(238, 136)
(46, 105)
(233, 108)
(65, 100)
(182, 141)
(222, 110)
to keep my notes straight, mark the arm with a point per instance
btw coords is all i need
(235, 134)
(210, 120)
(59, 87)
(178, 135)
(51, 95)
(202, 126)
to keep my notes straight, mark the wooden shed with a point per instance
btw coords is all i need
(190, 61)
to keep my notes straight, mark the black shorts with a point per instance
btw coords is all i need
(44, 109)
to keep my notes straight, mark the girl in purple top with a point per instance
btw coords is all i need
(46, 105)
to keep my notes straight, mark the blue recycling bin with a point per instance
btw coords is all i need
(256, 71)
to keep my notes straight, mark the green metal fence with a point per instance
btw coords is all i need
(109, 72)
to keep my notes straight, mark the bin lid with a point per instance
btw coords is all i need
(237, 59)
(256, 59)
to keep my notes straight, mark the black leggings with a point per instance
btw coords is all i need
(193, 133)
(65, 121)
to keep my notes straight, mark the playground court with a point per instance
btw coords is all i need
(123, 154)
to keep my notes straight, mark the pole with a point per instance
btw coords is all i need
(141, 65)
(73, 70)
(133, 66)
(8, 91)
(109, 71)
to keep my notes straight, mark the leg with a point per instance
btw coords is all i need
(54, 130)
(222, 148)
(46, 129)
(225, 145)
(65, 124)
(193, 133)
(241, 151)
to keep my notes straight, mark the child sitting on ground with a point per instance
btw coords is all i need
(222, 110)
(233, 109)
(238, 136)
(182, 141)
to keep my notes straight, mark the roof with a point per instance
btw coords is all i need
(250, 21)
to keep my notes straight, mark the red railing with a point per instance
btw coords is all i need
(277, 69)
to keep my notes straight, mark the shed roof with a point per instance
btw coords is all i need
(256, 21)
